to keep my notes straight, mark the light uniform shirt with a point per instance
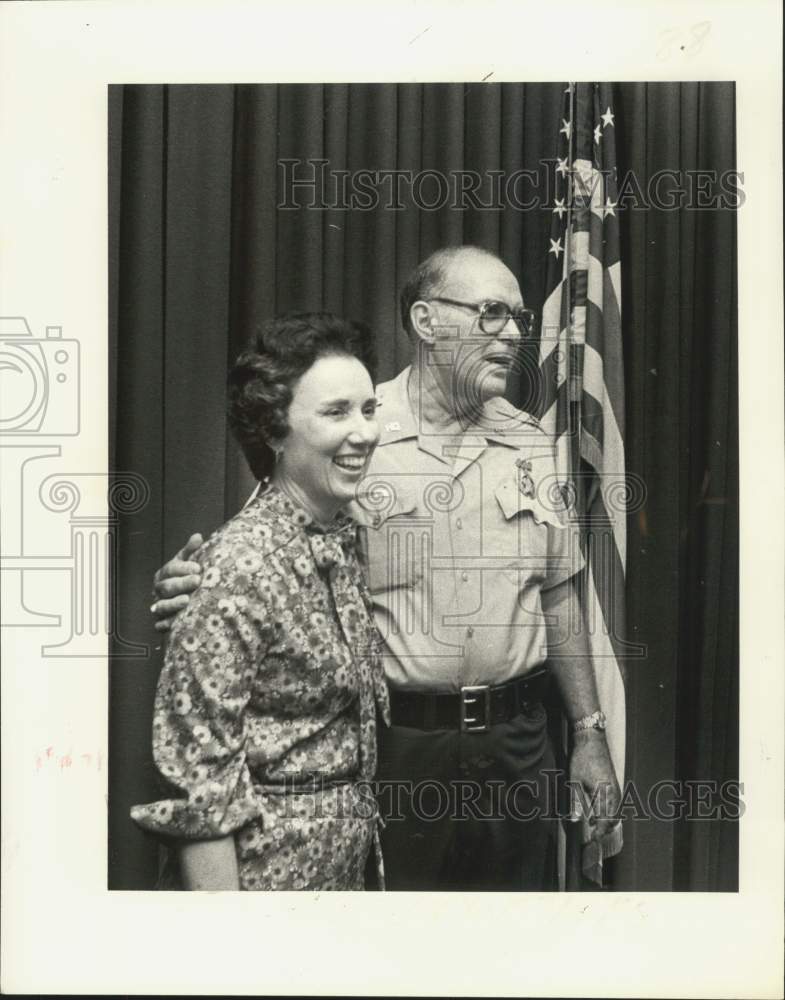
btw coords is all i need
(462, 534)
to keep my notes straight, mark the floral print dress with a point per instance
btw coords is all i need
(265, 712)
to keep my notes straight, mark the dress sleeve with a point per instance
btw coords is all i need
(375, 643)
(214, 651)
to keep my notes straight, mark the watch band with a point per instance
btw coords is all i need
(596, 720)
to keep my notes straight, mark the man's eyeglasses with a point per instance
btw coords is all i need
(494, 316)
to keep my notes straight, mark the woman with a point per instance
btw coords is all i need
(265, 713)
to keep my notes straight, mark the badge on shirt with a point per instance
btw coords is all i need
(568, 494)
(525, 481)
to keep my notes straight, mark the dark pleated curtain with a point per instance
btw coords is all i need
(680, 341)
(201, 253)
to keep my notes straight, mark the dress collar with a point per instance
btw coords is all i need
(275, 499)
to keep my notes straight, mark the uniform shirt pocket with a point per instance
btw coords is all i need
(528, 528)
(390, 543)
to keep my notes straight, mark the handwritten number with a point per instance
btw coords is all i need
(669, 37)
(698, 34)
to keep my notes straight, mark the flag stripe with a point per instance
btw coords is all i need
(593, 420)
(600, 347)
(609, 584)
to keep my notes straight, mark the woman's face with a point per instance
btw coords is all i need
(332, 434)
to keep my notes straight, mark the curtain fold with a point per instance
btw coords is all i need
(201, 252)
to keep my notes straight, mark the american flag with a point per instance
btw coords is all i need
(582, 386)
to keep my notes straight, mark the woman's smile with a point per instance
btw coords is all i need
(352, 463)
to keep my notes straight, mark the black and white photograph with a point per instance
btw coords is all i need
(391, 416)
(479, 319)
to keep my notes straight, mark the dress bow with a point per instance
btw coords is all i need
(330, 548)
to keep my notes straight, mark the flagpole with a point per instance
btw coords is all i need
(565, 735)
(567, 269)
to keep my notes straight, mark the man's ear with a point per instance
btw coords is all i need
(422, 322)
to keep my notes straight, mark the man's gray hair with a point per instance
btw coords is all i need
(429, 277)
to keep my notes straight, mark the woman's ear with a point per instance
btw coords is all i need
(276, 447)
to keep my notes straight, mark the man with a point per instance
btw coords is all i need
(470, 558)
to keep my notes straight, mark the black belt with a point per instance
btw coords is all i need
(472, 710)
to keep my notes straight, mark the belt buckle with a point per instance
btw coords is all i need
(469, 697)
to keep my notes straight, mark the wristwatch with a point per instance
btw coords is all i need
(596, 720)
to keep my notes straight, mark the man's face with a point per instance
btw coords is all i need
(482, 361)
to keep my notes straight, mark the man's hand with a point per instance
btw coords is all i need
(174, 583)
(591, 769)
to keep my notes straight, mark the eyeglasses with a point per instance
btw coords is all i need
(494, 316)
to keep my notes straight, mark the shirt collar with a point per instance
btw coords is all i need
(502, 422)
(396, 418)
(505, 424)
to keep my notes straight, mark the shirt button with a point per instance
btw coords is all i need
(464, 576)
(377, 520)
(470, 631)
(459, 524)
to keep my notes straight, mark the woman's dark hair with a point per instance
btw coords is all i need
(261, 381)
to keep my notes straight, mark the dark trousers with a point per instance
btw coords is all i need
(468, 811)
